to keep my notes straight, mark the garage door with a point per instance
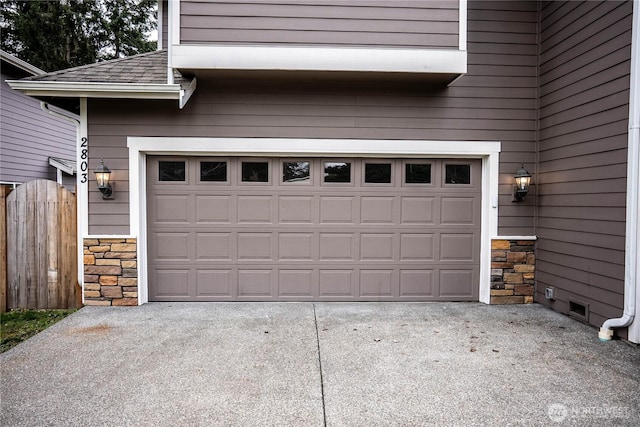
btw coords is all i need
(330, 229)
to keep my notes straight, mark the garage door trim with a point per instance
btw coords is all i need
(140, 147)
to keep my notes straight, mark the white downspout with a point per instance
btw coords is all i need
(633, 190)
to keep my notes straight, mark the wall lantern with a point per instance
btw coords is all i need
(523, 179)
(103, 174)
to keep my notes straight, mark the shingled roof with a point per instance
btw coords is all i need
(142, 76)
(143, 68)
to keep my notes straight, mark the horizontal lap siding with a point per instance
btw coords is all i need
(584, 81)
(495, 101)
(29, 137)
(411, 24)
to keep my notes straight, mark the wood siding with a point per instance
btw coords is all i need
(28, 136)
(495, 101)
(584, 95)
(408, 24)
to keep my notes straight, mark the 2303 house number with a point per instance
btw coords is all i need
(84, 160)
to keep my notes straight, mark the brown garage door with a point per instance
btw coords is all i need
(261, 229)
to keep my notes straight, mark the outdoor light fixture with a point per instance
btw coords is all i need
(523, 179)
(103, 174)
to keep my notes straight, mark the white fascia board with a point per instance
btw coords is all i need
(428, 61)
(97, 90)
(19, 63)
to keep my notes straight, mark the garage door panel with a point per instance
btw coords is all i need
(336, 283)
(338, 209)
(458, 210)
(457, 247)
(171, 209)
(167, 284)
(299, 238)
(295, 246)
(418, 210)
(376, 283)
(377, 247)
(417, 283)
(255, 209)
(457, 284)
(255, 246)
(296, 283)
(214, 246)
(417, 247)
(214, 209)
(255, 283)
(337, 246)
(171, 246)
(216, 283)
(377, 210)
(296, 209)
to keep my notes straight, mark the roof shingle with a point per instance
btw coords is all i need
(148, 67)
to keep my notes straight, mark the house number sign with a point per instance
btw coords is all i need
(84, 160)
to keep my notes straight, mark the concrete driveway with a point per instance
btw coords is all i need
(335, 364)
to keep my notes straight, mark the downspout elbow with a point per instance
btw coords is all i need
(606, 330)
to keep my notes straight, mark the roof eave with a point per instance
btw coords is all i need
(97, 90)
(19, 63)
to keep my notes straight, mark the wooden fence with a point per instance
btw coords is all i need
(41, 247)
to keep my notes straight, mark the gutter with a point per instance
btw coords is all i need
(96, 90)
(105, 90)
(633, 191)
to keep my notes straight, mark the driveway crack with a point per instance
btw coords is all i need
(324, 412)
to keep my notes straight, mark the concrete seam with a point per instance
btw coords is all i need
(324, 412)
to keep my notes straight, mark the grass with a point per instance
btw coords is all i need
(20, 325)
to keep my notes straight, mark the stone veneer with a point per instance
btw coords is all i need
(512, 271)
(110, 271)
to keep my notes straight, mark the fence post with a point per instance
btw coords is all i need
(4, 190)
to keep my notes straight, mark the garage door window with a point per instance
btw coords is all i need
(296, 172)
(457, 174)
(171, 171)
(377, 173)
(337, 172)
(417, 173)
(213, 171)
(255, 171)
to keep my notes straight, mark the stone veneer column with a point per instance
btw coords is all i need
(512, 271)
(110, 271)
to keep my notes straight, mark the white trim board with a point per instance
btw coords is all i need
(82, 191)
(140, 147)
(222, 57)
(462, 25)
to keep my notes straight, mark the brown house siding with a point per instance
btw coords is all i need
(427, 24)
(584, 81)
(495, 101)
